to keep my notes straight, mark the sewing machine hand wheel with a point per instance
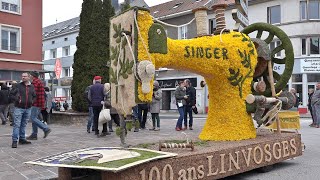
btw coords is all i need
(287, 57)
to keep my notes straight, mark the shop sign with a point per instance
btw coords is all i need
(173, 83)
(310, 65)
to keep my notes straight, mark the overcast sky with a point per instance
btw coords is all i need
(61, 10)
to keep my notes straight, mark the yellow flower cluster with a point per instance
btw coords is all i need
(227, 63)
(144, 22)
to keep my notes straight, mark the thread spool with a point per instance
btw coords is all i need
(176, 145)
(201, 15)
(219, 9)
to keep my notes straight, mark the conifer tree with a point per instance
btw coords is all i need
(108, 12)
(81, 77)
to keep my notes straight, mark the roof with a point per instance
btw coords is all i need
(176, 6)
(72, 25)
(61, 28)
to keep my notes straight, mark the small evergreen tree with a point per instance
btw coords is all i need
(108, 12)
(81, 79)
(99, 55)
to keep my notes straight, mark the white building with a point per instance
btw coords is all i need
(299, 19)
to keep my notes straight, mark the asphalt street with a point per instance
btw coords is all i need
(64, 138)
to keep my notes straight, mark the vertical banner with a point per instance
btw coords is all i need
(57, 68)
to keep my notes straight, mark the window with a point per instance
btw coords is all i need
(66, 39)
(313, 9)
(310, 9)
(273, 45)
(52, 42)
(183, 32)
(66, 72)
(10, 39)
(53, 53)
(43, 53)
(66, 51)
(303, 46)
(303, 10)
(314, 45)
(274, 15)
(212, 25)
(10, 5)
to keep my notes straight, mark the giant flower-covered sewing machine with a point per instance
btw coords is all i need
(231, 64)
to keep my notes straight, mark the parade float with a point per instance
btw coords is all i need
(237, 67)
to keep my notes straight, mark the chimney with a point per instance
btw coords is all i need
(219, 8)
(201, 20)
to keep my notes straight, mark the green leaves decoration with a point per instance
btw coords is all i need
(125, 66)
(234, 77)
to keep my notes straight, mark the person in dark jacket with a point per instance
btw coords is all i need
(24, 96)
(90, 123)
(4, 103)
(180, 95)
(190, 104)
(96, 97)
(310, 93)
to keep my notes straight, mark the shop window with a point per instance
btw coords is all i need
(296, 77)
(314, 45)
(303, 46)
(212, 25)
(313, 78)
(274, 15)
(10, 39)
(183, 31)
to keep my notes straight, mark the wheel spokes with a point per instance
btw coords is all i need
(276, 50)
(269, 38)
(259, 34)
(279, 60)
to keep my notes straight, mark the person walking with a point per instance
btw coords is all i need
(48, 105)
(310, 93)
(96, 96)
(4, 103)
(36, 108)
(23, 98)
(65, 105)
(155, 106)
(113, 112)
(142, 114)
(90, 124)
(180, 95)
(12, 95)
(315, 103)
(190, 104)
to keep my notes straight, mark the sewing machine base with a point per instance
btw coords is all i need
(216, 160)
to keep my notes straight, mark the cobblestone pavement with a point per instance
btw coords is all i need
(65, 138)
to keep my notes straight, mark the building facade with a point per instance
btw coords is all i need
(299, 19)
(59, 45)
(20, 45)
